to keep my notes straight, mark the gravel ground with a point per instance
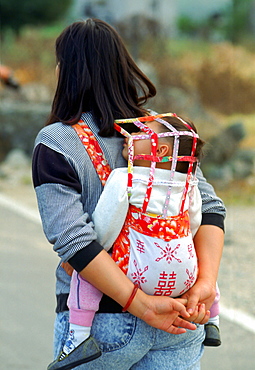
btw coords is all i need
(237, 271)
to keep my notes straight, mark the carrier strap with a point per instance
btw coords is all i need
(94, 150)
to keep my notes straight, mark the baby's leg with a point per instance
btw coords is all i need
(80, 347)
(83, 301)
(212, 330)
(215, 309)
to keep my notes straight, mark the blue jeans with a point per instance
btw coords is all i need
(129, 343)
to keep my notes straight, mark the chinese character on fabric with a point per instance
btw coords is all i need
(140, 247)
(166, 284)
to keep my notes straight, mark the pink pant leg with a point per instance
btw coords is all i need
(83, 301)
(215, 309)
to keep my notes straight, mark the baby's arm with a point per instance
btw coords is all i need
(111, 209)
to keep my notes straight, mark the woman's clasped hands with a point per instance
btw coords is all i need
(168, 314)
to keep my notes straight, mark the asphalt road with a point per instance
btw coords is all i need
(27, 301)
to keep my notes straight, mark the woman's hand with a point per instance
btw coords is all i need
(163, 313)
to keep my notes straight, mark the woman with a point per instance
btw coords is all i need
(98, 82)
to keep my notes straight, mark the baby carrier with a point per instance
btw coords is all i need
(155, 251)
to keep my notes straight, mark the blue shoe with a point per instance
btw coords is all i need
(212, 336)
(87, 351)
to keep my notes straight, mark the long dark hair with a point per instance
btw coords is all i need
(97, 74)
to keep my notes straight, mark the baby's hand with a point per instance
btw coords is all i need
(200, 315)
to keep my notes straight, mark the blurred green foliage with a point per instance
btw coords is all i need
(17, 14)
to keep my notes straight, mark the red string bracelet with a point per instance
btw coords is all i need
(132, 296)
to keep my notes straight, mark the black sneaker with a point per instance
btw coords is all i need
(87, 351)
(212, 336)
